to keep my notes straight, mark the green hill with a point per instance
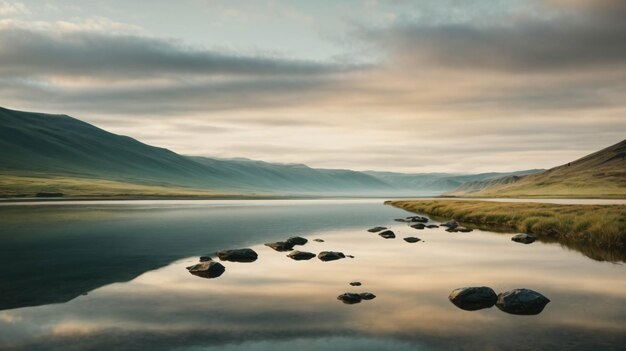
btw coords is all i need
(60, 154)
(601, 174)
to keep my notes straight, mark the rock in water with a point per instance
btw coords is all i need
(464, 230)
(418, 226)
(522, 302)
(281, 246)
(418, 219)
(205, 258)
(355, 283)
(376, 229)
(401, 220)
(523, 238)
(297, 240)
(350, 298)
(238, 255)
(412, 239)
(450, 224)
(367, 296)
(330, 255)
(387, 234)
(473, 298)
(318, 240)
(301, 255)
(210, 269)
(431, 226)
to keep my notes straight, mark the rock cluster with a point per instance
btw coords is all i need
(516, 301)
(352, 298)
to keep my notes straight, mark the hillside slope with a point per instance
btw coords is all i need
(600, 174)
(60, 149)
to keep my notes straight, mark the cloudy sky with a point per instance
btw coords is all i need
(413, 86)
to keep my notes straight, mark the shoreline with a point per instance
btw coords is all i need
(599, 231)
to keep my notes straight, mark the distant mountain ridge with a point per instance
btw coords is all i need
(58, 153)
(600, 174)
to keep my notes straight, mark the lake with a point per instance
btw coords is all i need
(110, 275)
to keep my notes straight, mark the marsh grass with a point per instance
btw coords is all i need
(601, 227)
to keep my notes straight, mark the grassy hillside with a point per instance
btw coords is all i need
(39, 152)
(600, 175)
(599, 231)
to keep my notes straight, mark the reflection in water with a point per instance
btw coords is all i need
(277, 303)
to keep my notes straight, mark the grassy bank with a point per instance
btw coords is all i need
(598, 226)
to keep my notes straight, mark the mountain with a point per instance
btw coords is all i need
(438, 183)
(59, 147)
(600, 174)
(44, 153)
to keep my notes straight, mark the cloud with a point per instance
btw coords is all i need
(13, 8)
(589, 34)
(75, 50)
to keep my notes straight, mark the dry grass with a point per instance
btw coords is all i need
(602, 226)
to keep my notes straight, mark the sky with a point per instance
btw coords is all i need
(408, 86)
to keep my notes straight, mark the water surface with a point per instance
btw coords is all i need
(105, 276)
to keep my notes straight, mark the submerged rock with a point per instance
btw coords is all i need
(450, 224)
(350, 298)
(464, 229)
(376, 229)
(401, 220)
(330, 255)
(367, 296)
(205, 258)
(418, 226)
(318, 240)
(522, 302)
(523, 238)
(280, 246)
(387, 234)
(297, 240)
(355, 283)
(473, 298)
(412, 239)
(301, 255)
(210, 269)
(349, 256)
(238, 255)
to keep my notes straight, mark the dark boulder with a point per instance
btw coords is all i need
(412, 239)
(376, 229)
(210, 269)
(367, 296)
(431, 226)
(523, 238)
(419, 226)
(238, 255)
(387, 234)
(330, 255)
(418, 219)
(350, 298)
(473, 298)
(205, 258)
(464, 230)
(355, 283)
(301, 255)
(522, 302)
(281, 246)
(296, 240)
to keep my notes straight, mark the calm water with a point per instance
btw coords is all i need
(111, 276)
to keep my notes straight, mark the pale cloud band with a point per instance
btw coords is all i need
(443, 96)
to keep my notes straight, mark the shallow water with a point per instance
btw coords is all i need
(105, 276)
